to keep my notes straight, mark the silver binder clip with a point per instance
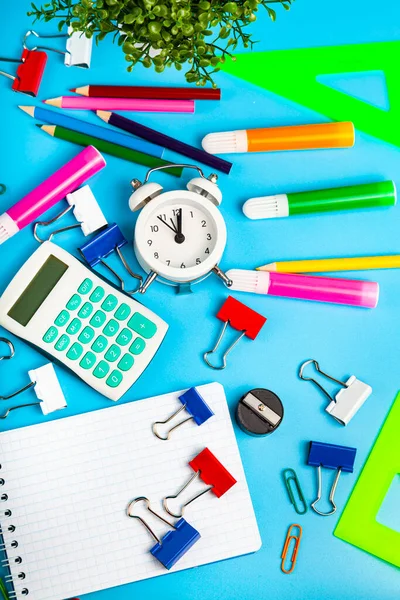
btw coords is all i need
(345, 404)
(78, 51)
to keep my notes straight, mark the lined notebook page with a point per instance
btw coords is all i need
(69, 482)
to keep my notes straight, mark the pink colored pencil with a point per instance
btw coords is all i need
(134, 104)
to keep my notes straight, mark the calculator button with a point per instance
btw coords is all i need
(74, 302)
(123, 311)
(124, 337)
(126, 362)
(74, 326)
(62, 343)
(88, 360)
(138, 346)
(50, 335)
(141, 325)
(113, 353)
(101, 370)
(100, 344)
(62, 318)
(75, 351)
(109, 303)
(85, 287)
(97, 294)
(86, 310)
(98, 318)
(111, 328)
(86, 335)
(114, 379)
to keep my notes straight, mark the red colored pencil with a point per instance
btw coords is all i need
(162, 93)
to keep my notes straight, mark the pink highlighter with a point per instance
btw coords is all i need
(306, 287)
(52, 190)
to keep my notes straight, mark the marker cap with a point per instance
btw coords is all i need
(225, 142)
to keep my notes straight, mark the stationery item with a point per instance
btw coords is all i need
(352, 292)
(323, 265)
(64, 181)
(133, 104)
(151, 135)
(330, 456)
(294, 491)
(208, 468)
(56, 117)
(353, 197)
(273, 139)
(259, 412)
(82, 139)
(142, 91)
(297, 539)
(346, 403)
(240, 317)
(87, 465)
(29, 74)
(85, 209)
(174, 544)
(78, 51)
(359, 523)
(194, 404)
(11, 349)
(106, 338)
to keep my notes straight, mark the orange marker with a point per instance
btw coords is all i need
(296, 137)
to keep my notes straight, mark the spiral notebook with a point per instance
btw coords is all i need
(66, 485)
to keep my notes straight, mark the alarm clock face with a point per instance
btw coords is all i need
(180, 235)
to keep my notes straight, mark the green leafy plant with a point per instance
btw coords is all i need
(162, 33)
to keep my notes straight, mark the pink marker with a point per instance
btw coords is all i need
(306, 287)
(134, 104)
(52, 190)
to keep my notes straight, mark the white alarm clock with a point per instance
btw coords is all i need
(180, 236)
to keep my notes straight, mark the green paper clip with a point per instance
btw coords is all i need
(288, 476)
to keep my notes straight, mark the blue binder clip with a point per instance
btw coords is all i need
(330, 456)
(194, 404)
(109, 240)
(175, 543)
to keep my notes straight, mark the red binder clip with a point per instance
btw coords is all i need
(240, 317)
(212, 472)
(29, 74)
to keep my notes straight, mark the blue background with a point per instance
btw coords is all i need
(345, 340)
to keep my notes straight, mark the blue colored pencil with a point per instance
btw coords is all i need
(109, 135)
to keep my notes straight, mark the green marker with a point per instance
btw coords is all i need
(353, 197)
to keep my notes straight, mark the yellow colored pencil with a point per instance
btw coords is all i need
(324, 265)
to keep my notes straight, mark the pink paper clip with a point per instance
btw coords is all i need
(240, 317)
(29, 74)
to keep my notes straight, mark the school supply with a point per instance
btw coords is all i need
(82, 139)
(85, 209)
(213, 473)
(353, 197)
(142, 91)
(352, 292)
(239, 317)
(29, 74)
(346, 403)
(289, 538)
(321, 265)
(194, 404)
(106, 338)
(330, 456)
(56, 117)
(133, 104)
(78, 51)
(151, 135)
(273, 139)
(294, 491)
(61, 476)
(259, 412)
(358, 524)
(64, 181)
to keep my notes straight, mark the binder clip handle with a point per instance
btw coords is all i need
(331, 493)
(50, 222)
(12, 60)
(11, 349)
(315, 382)
(196, 475)
(194, 404)
(224, 356)
(129, 512)
(37, 35)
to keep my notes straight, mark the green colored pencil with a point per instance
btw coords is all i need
(83, 139)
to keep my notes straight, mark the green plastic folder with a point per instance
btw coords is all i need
(358, 524)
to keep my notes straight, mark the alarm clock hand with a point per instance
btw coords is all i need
(167, 224)
(179, 238)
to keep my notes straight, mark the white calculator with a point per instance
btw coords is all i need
(59, 305)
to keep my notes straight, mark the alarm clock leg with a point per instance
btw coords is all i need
(148, 281)
(228, 282)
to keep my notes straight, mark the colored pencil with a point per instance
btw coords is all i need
(103, 133)
(134, 104)
(83, 139)
(139, 91)
(325, 265)
(165, 140)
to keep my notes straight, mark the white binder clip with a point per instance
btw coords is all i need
(347, 401)
(79, 49)
(86, 210)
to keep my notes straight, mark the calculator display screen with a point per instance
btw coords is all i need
(37, 291)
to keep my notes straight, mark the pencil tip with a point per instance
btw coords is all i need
(38, 125)
(73, 89)
(29, 110)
